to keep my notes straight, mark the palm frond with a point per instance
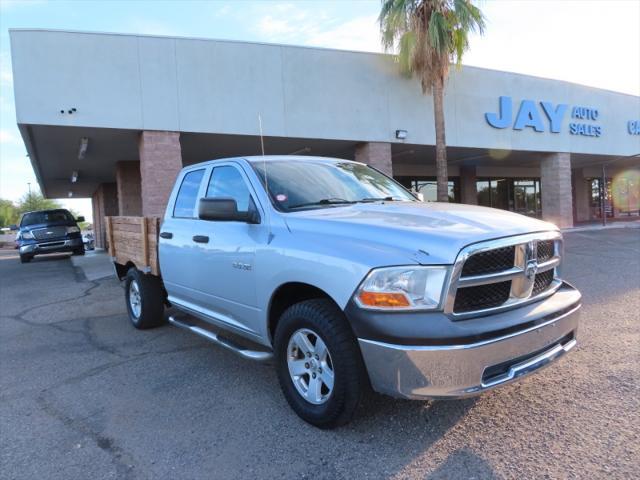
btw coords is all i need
(428, 35)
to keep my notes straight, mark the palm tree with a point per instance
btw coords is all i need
(429, 35)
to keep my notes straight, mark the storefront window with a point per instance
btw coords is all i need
(518, 195)
(427, 186)
(621, 197)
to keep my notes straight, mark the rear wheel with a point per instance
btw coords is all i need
(145, 299)
(319, 365)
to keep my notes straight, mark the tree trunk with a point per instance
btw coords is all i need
(441, 144)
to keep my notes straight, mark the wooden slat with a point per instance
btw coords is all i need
(145, 243)
(128, 220)
(135, 239)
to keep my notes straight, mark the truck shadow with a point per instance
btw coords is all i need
(51, 257)
(401, 433)
(463, 463)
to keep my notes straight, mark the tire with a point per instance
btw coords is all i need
(25, 258)
(148, 311)
(78, 251)
(321, 318)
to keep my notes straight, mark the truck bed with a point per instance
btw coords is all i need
(134, 240)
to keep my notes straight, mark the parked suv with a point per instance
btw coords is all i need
(48, 231)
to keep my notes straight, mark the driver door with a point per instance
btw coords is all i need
(226, 264)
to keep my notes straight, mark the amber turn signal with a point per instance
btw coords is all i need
(377, 299)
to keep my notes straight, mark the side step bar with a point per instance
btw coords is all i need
(256, 355)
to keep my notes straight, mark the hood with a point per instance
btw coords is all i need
(428, 233)
(36, 226)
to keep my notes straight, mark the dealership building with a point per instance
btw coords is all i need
(115, 117)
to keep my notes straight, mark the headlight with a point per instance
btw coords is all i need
(73, 229)
(27, 235)
(402, 288)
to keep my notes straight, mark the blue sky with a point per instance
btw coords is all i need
(591, 42)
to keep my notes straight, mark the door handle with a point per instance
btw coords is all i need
(166, 235)
(201, 239)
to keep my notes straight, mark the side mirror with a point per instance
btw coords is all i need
(13, 228)
(80, 219)
(224, 209)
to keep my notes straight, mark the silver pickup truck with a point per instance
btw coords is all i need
(346, 281)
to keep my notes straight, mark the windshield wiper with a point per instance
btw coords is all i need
(324, 201)
(373, 199)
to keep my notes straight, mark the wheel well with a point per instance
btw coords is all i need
(287, 295)
(121, 270)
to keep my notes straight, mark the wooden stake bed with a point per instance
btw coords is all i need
(135, 240)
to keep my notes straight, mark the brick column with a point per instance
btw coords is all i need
(468, 191)
(105, 204)
(160, 162)
(555, 185)
(128, 182)
(581, 195)
(375, 154)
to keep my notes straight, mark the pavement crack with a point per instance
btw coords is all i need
(123, 461)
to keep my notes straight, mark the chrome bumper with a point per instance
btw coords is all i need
(452, 371)
(53, 246)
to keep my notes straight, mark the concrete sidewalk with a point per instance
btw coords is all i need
(95, 264)
(608, 226)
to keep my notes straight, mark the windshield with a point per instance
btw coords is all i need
(48, 216)
(296, 185)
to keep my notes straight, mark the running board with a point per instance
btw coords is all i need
(256, 355)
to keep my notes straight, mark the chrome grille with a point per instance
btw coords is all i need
(49, 233)
(504, 273)
(545, 250)
(483, 296)
(489, 262)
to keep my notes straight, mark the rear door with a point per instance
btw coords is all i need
(177, 250)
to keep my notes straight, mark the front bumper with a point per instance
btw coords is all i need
(450, 371)
(52, 246)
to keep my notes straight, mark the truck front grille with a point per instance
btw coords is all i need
(542, 282)
(489, 262)
(504, 273)
(483, 296)
(545, 250)
(49, 233)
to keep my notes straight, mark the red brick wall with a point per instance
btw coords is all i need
(160, 163)
(555, 189)
(128, 182)
(104, 203)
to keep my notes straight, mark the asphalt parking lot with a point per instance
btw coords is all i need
(84, 395)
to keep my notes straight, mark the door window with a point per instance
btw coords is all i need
(188, 194)
(227, 182)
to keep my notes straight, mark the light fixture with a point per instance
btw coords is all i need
(82, 151)
(70, 194)
(74, 176)
(401, 134)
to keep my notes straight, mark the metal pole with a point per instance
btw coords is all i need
(29, 185)
(604, 195)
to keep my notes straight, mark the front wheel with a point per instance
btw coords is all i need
(25, 258)
(318, 362)
(145, 299)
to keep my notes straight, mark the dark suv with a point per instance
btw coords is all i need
(48, 231)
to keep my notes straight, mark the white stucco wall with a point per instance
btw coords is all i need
(192, 85)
